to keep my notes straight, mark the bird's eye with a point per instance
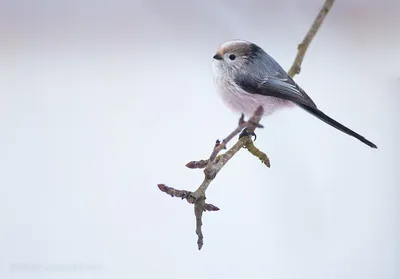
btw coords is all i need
(232, 57)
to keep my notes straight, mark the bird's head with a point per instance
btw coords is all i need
(232, 56)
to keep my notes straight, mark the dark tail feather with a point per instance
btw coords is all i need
(322, 116)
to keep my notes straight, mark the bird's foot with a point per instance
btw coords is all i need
(246, 133)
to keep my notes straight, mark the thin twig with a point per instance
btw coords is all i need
(302, 48)
(258, 153)
(183, 194)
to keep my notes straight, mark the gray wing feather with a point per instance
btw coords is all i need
(266, 77)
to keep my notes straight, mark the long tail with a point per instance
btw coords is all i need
(322, 116)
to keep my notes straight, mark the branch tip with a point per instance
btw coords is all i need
(197, 164)
(259, 111)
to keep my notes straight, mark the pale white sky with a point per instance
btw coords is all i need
(96, 108)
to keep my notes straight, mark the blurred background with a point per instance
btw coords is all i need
(102, 100)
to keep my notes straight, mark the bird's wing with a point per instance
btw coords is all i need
(266, 77)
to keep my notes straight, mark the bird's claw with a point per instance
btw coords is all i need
(246, 133)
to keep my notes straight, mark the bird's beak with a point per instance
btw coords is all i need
(217, 57)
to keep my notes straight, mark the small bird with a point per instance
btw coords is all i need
(247, 77)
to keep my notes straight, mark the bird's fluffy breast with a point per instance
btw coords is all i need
(241, 101)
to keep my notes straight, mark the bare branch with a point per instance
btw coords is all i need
(214, 166)
(216, 162)
(211, 167)
(302, 48)
(251, 125)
